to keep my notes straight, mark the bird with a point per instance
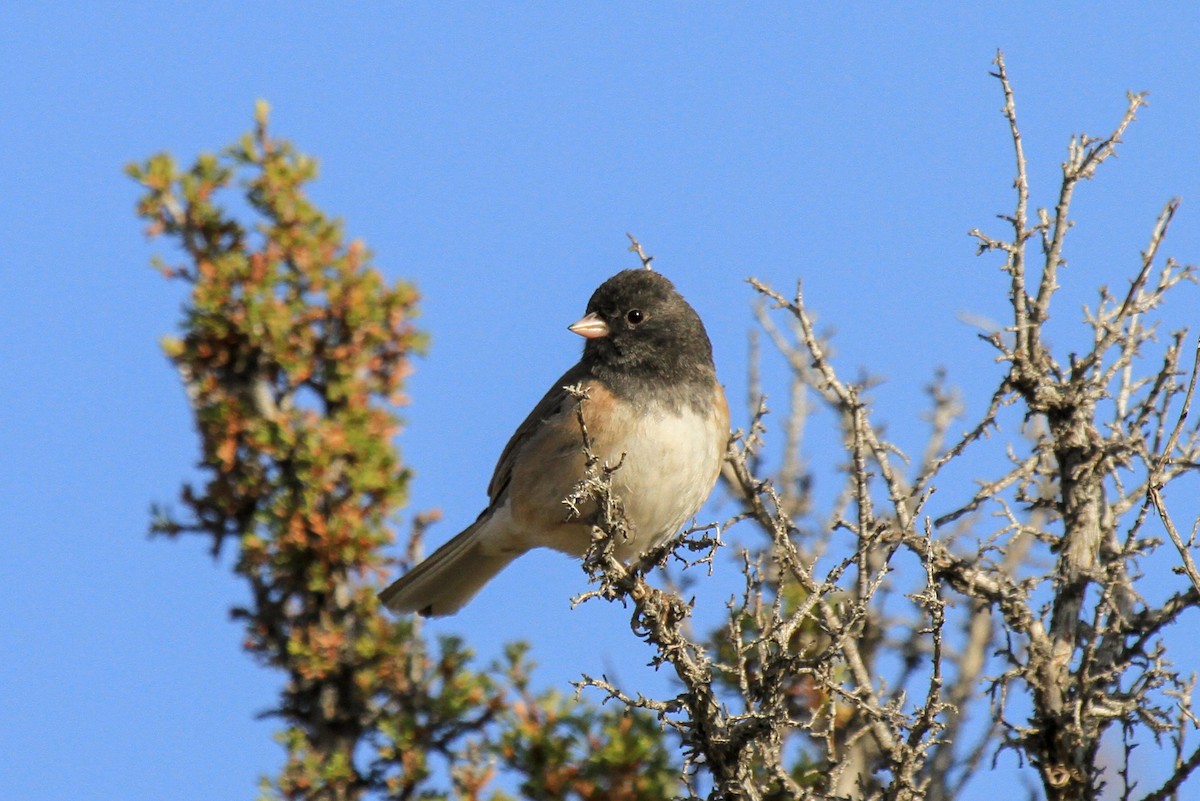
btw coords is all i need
(653, 406)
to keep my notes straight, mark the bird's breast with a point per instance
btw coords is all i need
(669, 457)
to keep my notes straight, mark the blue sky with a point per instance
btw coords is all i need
(496, 155)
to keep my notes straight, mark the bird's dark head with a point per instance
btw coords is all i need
(638, 327)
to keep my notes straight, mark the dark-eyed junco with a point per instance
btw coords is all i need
(653, 396)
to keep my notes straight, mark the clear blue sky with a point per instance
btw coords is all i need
(496, 155)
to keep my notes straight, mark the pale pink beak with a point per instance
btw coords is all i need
(590, 327)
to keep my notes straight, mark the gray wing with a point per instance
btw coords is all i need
(552, 403)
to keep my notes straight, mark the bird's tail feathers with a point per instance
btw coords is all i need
(451, 576)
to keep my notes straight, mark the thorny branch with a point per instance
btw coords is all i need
(1030, 577)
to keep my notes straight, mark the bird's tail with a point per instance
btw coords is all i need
(444, 582)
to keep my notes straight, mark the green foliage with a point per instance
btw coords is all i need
(565, 750)
(294, 350)
(292, 347)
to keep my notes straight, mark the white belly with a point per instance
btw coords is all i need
(671, 463)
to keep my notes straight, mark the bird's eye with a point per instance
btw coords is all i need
(635, 316)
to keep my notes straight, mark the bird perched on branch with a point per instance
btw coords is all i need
(653, 404)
